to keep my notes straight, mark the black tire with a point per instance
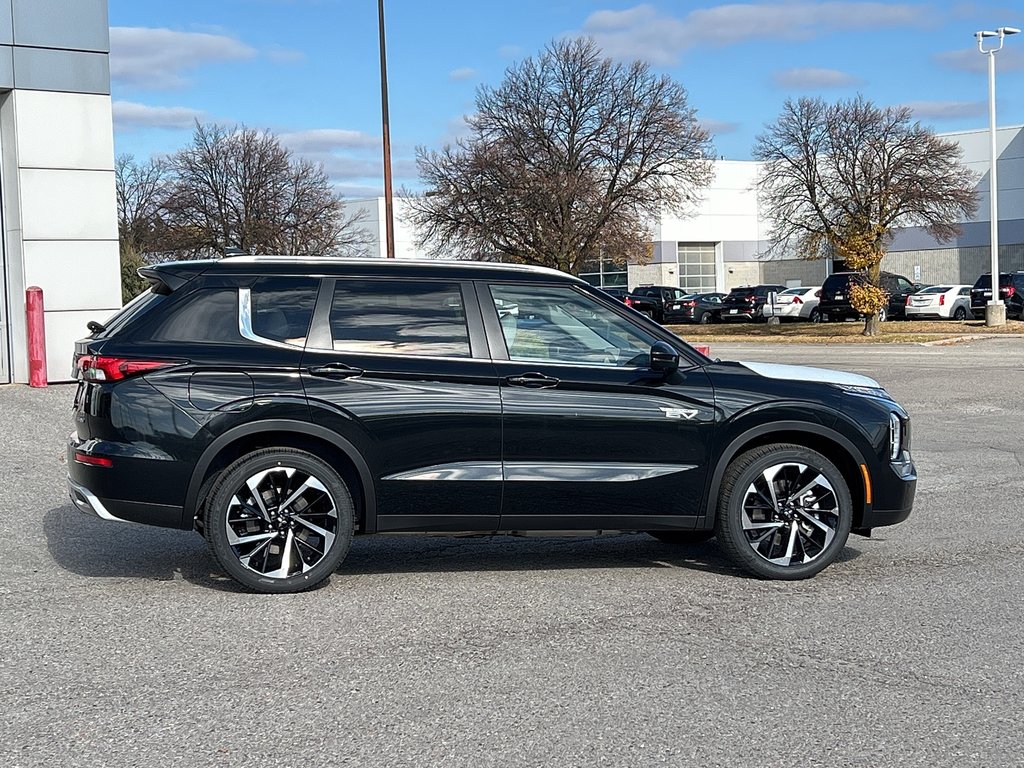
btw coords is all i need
(312, 533)
(682, 537)
(704, 318)
(746, 494)
(960, 314)
(815, 316)
(647, 313)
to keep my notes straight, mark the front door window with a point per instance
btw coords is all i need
(561, 325)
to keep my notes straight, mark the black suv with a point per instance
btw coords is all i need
(835, 296)
(1011, 291)
(747, 302)
(280, 406)
(662, 296)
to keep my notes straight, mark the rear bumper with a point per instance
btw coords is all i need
(87, 502)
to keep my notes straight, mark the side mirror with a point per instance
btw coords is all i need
(664, 358)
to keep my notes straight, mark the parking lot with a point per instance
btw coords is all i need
(123, 645)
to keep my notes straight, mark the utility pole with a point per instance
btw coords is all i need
(389, 213)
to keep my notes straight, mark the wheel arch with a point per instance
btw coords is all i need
(342, 455)
(834, 446)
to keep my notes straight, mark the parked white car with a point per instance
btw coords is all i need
(796, 304)
(940, 301)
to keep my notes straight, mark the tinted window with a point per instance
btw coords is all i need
(555, 324)
(965, 291)
(646, 291)
(399, 317)
(835, 282)
(937, 289)
(792, 292)
(209, 314)
(282, 308)
(902, 284)
(134, 309)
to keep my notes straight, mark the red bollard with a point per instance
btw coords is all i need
(36, 337)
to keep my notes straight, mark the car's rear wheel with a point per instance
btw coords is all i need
(682, 537)
(704, 318)
(279, 520)
(960, 314)
(784, 512)
(815, 316)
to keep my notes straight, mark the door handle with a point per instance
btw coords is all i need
(336, 371)
(532, 380)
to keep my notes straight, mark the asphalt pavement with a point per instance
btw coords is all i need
(122, 645)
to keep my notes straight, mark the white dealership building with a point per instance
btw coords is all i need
(58, 210)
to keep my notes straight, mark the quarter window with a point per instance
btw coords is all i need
(399, 317)
(206, 315)
(561, 325)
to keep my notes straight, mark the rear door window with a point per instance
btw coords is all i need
(281, 309)
(399, 317)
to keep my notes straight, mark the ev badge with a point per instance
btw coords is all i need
(679, 413)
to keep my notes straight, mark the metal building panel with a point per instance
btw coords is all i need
(42, 69)
(80, 25)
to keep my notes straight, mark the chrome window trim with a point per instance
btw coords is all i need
(245, 323)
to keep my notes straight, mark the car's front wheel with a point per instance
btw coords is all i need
(784, 512)
(279, 520)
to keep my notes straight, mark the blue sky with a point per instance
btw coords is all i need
(309, 69)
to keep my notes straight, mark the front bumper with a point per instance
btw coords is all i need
(894, 495)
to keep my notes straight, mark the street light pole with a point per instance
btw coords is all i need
(995, 312)
(386, 135)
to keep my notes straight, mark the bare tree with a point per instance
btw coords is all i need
(240, 188)
(569, 159)
(140, 190)
(839, 178)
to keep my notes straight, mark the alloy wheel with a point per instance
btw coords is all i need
(281, 522)
(790, 514)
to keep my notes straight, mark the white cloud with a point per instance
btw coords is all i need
(462, 73)
(147, 57)
(971, 60)
(643, 32)
(328, 140)
(946, 110)
(814, 78)
(717, 127)
(129, 114)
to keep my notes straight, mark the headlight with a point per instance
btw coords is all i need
(895, 437)
(853, 389)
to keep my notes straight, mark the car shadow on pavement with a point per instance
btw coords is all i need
(98, 549)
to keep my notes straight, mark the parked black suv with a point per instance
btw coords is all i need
(662, 296)
(747, 302)
(1011, 291)
(280, 406)
(835, 296)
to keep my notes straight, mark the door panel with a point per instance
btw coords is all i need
(428, 426)
(592, 437)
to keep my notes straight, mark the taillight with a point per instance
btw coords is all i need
(942, 299)
(907, 302)
(689, 303)
(1010, 291)
(101, 368)
(93, 461)
(629, 301)
(797, 300)
(752, 297)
